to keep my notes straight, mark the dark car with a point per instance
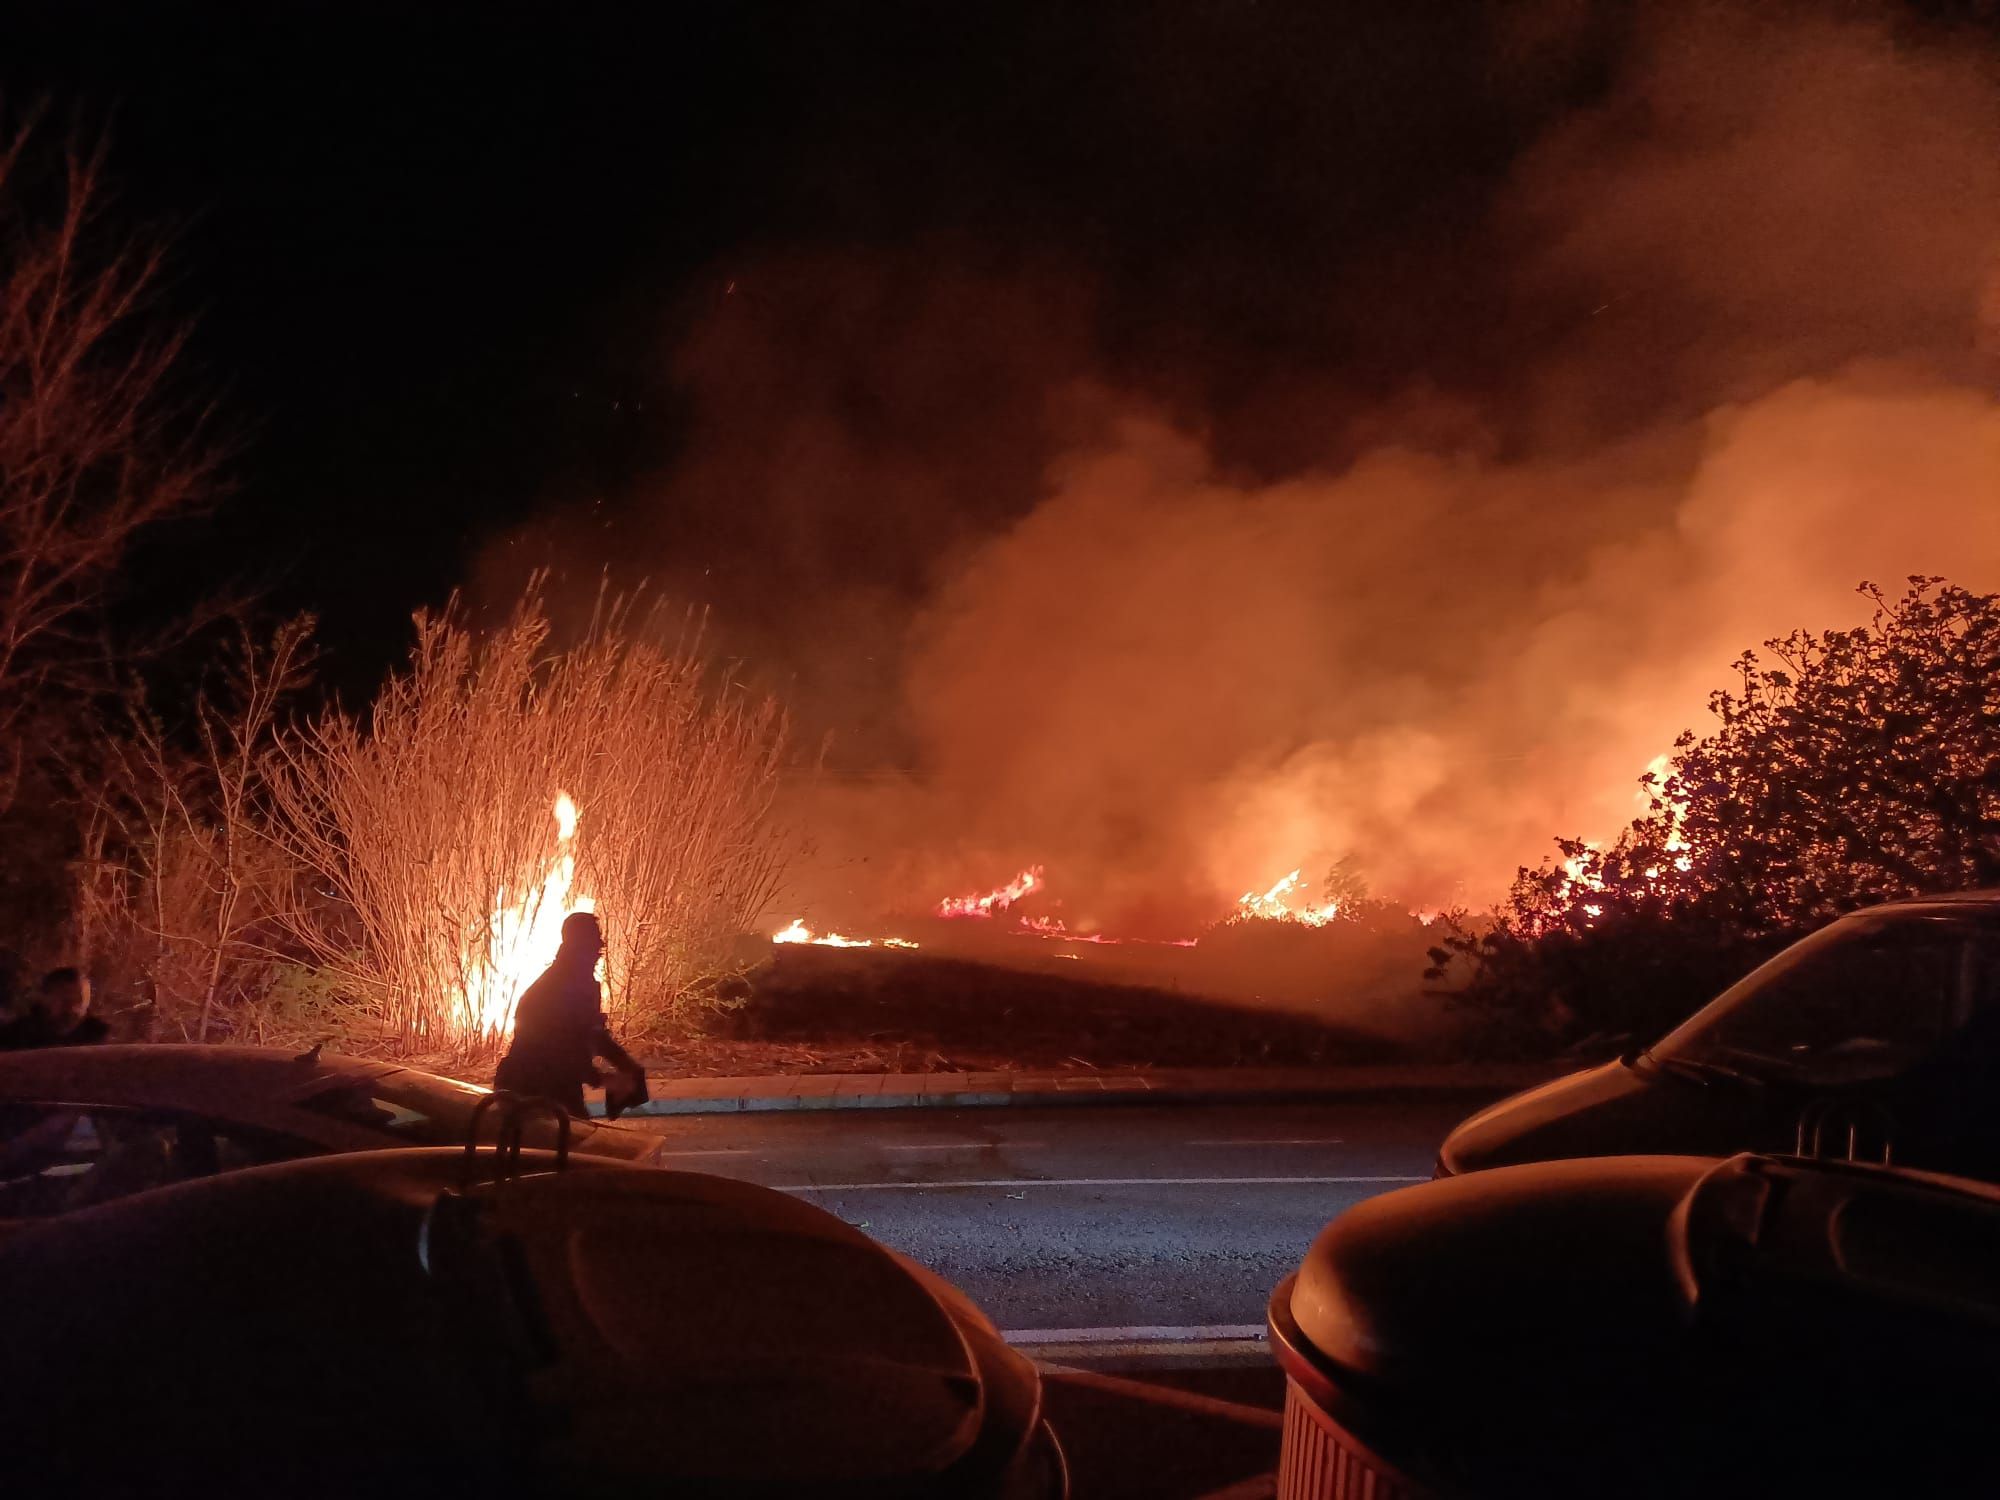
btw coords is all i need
(387, 1324)
(83, 1125)
(1876, 1037)
(1648, 1326)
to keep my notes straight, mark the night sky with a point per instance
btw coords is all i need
(486, 286)
(443, 256)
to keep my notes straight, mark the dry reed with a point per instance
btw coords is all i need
(416, 825)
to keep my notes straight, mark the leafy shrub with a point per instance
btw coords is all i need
(1851, 767)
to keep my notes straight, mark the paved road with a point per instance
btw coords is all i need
(1107, 1222)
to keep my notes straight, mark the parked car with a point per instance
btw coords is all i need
(1877, 1037)
(83, 1125)
(405, 1322)
(1647, 1326)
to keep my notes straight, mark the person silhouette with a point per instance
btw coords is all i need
(560, 1031)
(58, 1016)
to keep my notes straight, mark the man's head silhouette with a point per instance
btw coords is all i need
(582, 934)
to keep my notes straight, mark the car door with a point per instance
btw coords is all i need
(56, 1157)
(1948, 1105)
(1874, 1035)
(1897, 1047)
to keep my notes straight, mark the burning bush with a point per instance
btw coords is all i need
(1856, 766)
(500, 783)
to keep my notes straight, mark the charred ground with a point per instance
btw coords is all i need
(849, 1011)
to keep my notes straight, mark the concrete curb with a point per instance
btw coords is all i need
(819, 1091)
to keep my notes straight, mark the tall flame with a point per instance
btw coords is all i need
(523, 933)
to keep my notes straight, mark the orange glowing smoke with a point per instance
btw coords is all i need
(995, 900)
(522, 935)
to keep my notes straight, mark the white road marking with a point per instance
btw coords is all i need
(1210, 1353)
(1058, 1182)
(1332, 1140)
(970, 1146)
(1150, 1335)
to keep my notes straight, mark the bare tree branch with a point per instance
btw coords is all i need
(95, 446)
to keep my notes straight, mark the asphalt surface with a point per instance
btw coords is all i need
(1092, 1228)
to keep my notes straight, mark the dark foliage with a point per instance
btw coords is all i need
(1850, 767)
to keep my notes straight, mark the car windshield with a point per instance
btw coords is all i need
(1864, 998)
(422, 1109)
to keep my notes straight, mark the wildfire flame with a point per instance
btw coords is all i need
(1659, 768)
(994, 900)
(1278, 904)
(522, 934)
(1275, 905)
(798, 932)
(1576, 870)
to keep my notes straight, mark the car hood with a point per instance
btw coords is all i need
(365, 1320)
(1612, 1110)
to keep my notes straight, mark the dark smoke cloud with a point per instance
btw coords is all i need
(1760, 199)
(850, 420)
(1173, 606)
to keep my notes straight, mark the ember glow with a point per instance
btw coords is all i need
(1057, 930)
(1055, 927)
(522, 935)
(995, 900)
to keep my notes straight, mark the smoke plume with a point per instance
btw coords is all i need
(1716, 343)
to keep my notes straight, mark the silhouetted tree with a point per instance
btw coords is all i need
(1850, 767)
(181, 894)
(96, 443)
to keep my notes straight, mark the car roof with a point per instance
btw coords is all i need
(181, 1075)
(1958, 903)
